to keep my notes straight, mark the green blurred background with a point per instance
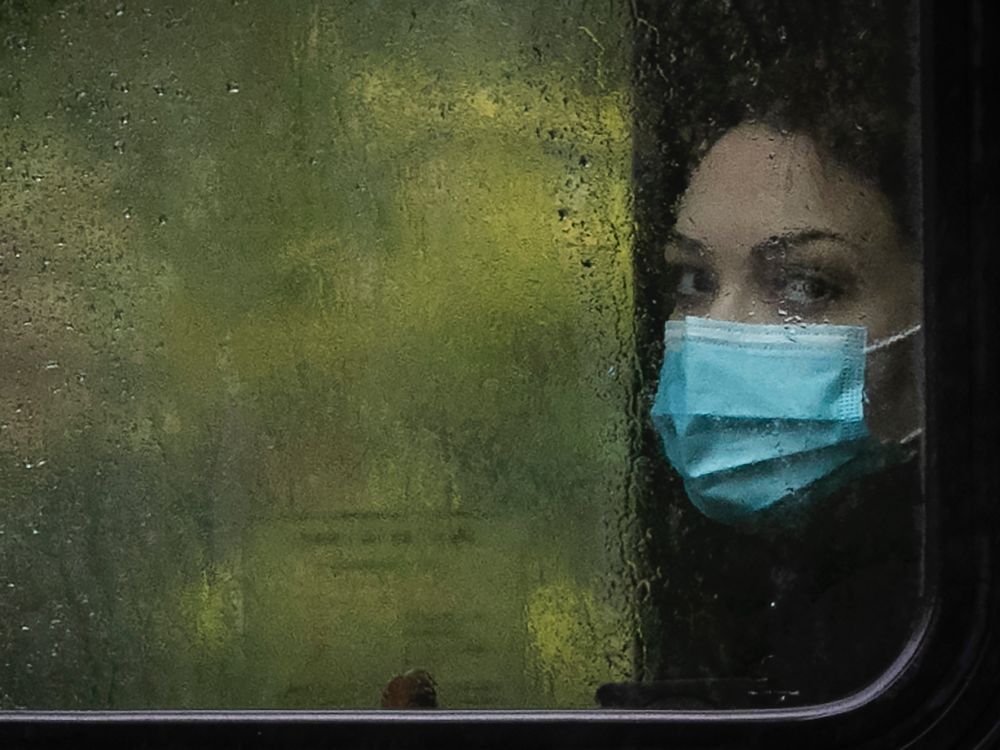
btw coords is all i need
(317, 340)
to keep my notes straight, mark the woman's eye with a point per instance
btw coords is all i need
(689, 281)
(807, 289)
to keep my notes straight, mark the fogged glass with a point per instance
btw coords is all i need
(331, 335)
(316, 332)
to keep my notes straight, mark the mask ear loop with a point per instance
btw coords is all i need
(889, 341)
(894, 339)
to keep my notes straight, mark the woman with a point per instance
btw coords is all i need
(781, 241)
(785, 563)
(790, 404)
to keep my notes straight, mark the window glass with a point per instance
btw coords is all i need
(470, 355)
(316, 343)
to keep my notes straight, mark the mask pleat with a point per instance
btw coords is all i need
(750, 414)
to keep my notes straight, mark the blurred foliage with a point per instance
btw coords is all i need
(317, 332)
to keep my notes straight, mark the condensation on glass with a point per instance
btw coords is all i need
(332, 334)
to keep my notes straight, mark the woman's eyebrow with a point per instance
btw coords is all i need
(790, 240)
(686, 245)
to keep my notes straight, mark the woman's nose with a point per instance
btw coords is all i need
(735, 303)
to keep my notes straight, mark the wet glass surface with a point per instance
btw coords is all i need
(330, 335)
(315, 319)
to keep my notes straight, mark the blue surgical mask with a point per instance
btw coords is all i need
(753, 416)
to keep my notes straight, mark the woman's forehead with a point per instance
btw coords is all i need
(756, 182)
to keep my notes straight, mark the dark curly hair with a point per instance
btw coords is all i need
(842, 72)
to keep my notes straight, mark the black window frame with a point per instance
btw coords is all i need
(947, 693)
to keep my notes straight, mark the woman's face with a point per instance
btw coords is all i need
(771, 230)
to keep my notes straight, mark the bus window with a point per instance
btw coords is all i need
(458, 356)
